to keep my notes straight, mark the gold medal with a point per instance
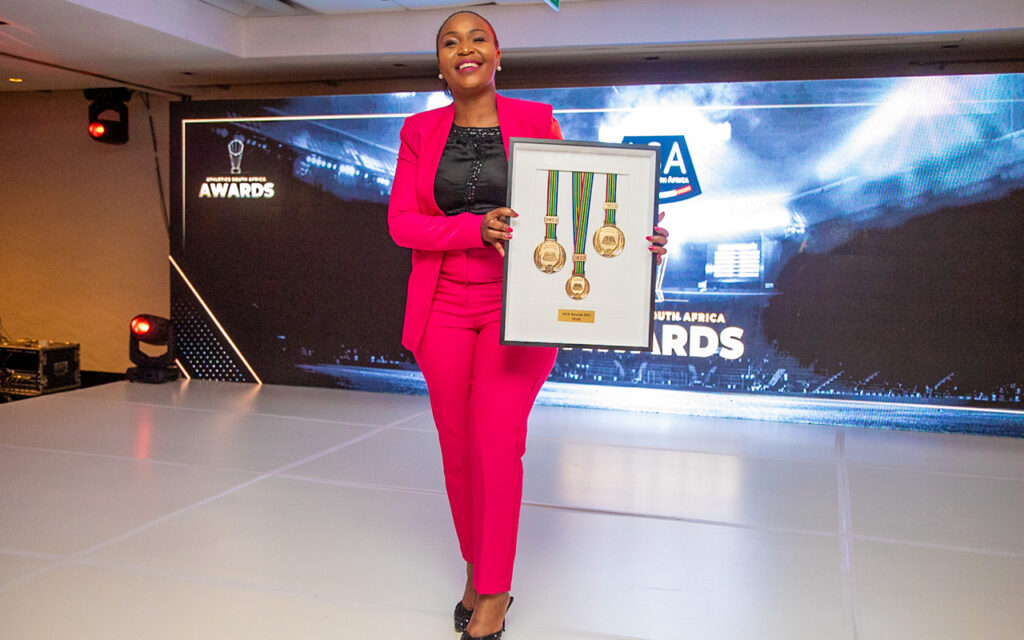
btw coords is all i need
(549, 256)
(609, 241)
(577, 287)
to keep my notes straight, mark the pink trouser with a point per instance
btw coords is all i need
(481, 394)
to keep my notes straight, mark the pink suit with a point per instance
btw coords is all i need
(481, 392)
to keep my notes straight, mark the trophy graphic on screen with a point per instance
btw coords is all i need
(235, 148)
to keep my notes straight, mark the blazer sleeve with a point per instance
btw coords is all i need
(556, 129)
(408, 224)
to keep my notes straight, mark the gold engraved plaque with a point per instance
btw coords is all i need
(549, 256)
(577, 287)
(576, 315)
(609, 241)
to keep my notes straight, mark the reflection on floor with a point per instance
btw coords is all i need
(215, 510)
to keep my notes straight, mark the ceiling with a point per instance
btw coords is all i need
(197, 48)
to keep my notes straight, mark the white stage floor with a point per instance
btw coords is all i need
(207, 510)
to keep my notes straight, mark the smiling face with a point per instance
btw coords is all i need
(467, 53)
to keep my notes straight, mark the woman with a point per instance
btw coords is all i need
(448, 205)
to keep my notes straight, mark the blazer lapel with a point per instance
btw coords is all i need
(504, 121)
(434, 146)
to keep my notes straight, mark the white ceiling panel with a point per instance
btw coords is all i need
(257, 8)
(434, 4)
(564, 2)
(350, 6)
(238, 7)
(279, 7)
(173, 44)
(360, 6)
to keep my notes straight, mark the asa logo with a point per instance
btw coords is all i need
(677, 180)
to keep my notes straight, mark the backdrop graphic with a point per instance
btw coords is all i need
(841, 238)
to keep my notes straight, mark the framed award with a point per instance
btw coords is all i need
(578, 272)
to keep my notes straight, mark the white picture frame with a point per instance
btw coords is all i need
(537, 306)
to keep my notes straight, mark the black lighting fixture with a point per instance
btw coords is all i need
(150, 329)
(106, 105)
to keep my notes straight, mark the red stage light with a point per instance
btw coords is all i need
(140, 326)
(153, 330)
(108, 114)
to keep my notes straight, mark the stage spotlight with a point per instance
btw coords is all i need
(107, 103)
(150, 329)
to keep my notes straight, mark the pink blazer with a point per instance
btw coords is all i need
(415, 220)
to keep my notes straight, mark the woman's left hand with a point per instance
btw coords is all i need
(659, 240)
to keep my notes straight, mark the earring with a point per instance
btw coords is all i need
(499, 67)
(440, 76)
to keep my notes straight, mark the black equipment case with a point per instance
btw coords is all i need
(31, 368)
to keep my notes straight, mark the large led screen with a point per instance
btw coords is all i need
(839, 239)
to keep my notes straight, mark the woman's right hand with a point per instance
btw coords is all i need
(494, 228)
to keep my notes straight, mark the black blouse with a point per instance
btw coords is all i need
(473, 172)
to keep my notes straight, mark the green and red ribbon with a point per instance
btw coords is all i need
(582, 187)
(609, 196)
(552, 227)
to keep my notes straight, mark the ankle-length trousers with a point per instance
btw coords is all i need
(481, 394)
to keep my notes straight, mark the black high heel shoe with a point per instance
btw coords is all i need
(493, 636)
(462, 616)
